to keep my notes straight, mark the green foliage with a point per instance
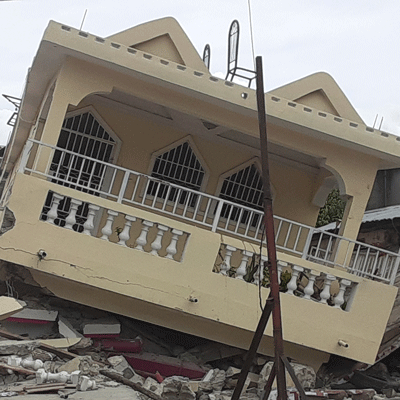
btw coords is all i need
(333, 209)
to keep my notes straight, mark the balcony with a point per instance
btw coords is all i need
(140, 191)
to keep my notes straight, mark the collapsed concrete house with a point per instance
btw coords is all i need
(134, 187)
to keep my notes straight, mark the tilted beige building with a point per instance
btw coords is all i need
(134, 186)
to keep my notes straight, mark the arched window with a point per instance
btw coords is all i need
(243, 187)
(181, 166)
(87, 139)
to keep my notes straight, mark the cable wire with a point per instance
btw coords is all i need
(251, 35)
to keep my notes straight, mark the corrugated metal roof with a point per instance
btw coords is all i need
(379, 214)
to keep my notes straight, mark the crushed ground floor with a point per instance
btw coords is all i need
(53, 348)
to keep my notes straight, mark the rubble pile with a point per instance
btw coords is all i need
(57, 348)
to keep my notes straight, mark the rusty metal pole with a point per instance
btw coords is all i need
(270, 236)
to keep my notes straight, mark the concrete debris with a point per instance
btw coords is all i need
(90, 350)
(306, 376)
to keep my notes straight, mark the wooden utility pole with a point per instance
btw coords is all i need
(273, 302)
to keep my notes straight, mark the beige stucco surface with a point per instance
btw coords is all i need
(123, 280)
(8, 307)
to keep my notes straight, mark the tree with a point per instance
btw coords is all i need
(333, 209)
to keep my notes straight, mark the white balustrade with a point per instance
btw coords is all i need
(259, 274)
(172, 248)
(226, 264)
(70, 221)
(107, 229)
(125, 233)
(52, 214)
(326, 292)
(309, 289)
(141, 241)
(292, 285)
(339, 298)
(157, 244)
(241, 271)
(88, 226)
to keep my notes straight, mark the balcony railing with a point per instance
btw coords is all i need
(129, 187)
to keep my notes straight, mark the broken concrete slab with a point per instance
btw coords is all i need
(67, 330)
(104, 328)
(9, 306)
(166, 366)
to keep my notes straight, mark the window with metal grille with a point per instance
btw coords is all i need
(85, 137)
(243, 187)
(179, 166)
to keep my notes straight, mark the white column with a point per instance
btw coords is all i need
(280, 266)
(157, 244)
(52, 213)
(339, 298)
(89, 224)
(326, 292)
(292, 285)
(309, 289)
(70, 221)
(226, 264)
(259, 274)
(124, 235)
(241, 271)
(141, 241)
(171, 249)
(107, 229)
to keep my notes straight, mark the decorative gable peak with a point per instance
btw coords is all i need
(163, 38)
(319, 91)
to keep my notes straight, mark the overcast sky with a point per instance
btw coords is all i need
(356, 41)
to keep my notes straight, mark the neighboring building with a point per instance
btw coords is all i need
(134, 186)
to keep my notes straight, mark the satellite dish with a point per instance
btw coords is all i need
(233, 51)
(207, 55)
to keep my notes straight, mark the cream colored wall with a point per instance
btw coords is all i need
(355, 171)
(141, 138)
(156, 289)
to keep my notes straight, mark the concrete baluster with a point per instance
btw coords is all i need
(339, 298)
(259, 274)
(43, 377)
(87, 384)
(141, 241)
(292, 285)
(52, 213)
(241, 271)
(70, 221)
(107, 229)
(157, 244)
(14, 361)
(280, 266)
(89, 224)
(326, 292)
(171, 249)
(309, 289)
(226, 264)
(32, 364)
(124, 235)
